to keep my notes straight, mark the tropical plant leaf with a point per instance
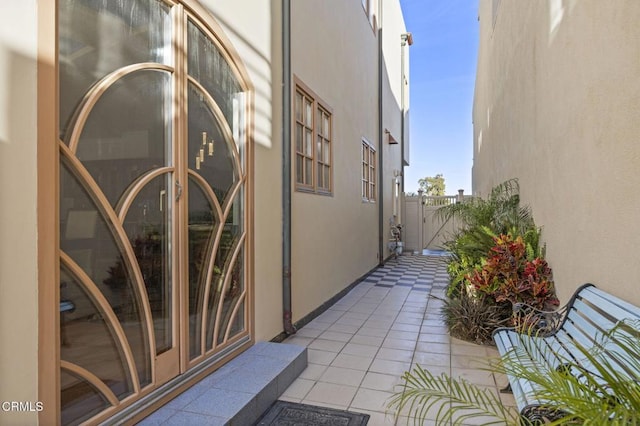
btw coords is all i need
(592, 385)
(454, 401)
(598, 385)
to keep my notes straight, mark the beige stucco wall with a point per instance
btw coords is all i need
(256, 36)
(557, 105)
(334, 53)
(18, 236)
(394, 54)
(335, 238)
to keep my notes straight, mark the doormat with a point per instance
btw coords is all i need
(284, 413)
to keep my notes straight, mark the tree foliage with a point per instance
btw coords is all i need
(432, 186)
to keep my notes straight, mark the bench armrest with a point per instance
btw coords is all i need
(543, 323)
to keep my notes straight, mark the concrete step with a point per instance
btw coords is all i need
(239, 392)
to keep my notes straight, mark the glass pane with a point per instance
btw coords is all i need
(231, 296)
(79, 400)
(210, 68)
(231, 234)
(202, 222)
(87, 237)
(128, 132)
(308, 171)
(87, 341)
(325, 152)
(327, 177)
(299, 133)
(147, 226)
(320, 180)
(308, 113)
(308, 142)
(325, 126)
(99, 37)
(319, 155)
(298, 106)
(238, 324)
(299, 169)
(210, 155)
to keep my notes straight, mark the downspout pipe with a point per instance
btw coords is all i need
(286, 168)
(381, 247)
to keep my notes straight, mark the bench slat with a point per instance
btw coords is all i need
(613, 304)
(591, 314)
(585, 325)
(506, 339)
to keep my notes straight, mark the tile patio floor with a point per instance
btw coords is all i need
(359, 348)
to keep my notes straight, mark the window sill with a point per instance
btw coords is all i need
(314, 192)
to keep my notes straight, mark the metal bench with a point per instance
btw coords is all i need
(554, 338)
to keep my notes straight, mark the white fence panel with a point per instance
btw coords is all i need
(423, 229)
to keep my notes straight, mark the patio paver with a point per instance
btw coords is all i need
(359, 348)
(356, 353)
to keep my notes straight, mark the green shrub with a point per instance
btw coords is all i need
(482, 220)
(474, 318)
(497, 258)
(509, 275)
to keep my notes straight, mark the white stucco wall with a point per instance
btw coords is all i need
(557, 105)
(18, 236)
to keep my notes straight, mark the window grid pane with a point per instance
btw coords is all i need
(323, 153)
(368, 172)
(313, 144)
(304, 139)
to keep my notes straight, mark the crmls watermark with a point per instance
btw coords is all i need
(35, 406)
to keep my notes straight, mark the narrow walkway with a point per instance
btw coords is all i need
(359, 348)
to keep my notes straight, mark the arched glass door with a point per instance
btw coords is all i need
(216, 197)
(152, 199)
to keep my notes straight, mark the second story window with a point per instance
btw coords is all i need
(368, 172)
(313, 130)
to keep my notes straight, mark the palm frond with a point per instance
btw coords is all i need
(594, 385)
(453, 401)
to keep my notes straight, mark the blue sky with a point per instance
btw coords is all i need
(442, 76)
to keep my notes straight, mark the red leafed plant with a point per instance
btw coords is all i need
(509, 275)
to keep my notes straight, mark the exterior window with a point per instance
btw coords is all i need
(368, 172)
(313, 160)
(323, 150)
